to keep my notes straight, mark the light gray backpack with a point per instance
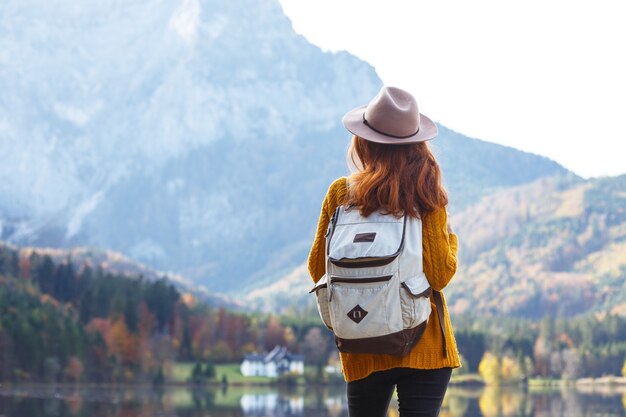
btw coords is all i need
(374, 296)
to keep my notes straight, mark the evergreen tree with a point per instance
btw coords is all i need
(185, 347)
(159, 378)
(209, 370)
(14, 265)
(44, 275)
(197, 376)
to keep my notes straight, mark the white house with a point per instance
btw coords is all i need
(273, 364)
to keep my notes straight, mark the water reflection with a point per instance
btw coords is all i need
(271, 404)
(509, 402)
(35, 401)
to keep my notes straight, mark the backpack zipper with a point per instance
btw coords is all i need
(369, 262)
(331, 229)
(364, 280)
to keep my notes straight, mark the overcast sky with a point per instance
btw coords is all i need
(544, 76)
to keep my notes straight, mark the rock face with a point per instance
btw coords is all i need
(195, 136)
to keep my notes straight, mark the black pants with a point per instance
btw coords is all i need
(420, 392)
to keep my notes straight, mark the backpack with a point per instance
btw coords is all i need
(375, 297)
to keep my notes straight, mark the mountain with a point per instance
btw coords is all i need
(195, 136)
(556, 246)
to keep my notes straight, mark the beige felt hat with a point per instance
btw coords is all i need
(391, 117)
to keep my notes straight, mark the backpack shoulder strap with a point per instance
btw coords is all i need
(439, 305)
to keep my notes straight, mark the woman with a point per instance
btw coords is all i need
(397, 173)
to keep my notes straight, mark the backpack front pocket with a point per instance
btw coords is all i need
(361, 307)
(415, 301)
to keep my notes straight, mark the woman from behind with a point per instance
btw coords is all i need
(397, 174)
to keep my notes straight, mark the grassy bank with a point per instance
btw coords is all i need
(181, 373)
(466, 379)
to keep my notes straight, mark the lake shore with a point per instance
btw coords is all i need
(228, 375)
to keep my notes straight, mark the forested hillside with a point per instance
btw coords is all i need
(557, 247)
(59, 323)
(119, 264)
(65, 323)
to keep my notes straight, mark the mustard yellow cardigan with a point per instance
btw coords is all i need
(439, 253)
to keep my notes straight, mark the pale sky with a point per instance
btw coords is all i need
(543, 76)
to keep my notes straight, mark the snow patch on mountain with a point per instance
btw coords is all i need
(83, 209)
(186, 21)
(78, 115)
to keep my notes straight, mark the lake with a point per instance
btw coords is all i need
(36, 401)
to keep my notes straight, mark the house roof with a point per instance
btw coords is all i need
(275, 355)
(253, 357)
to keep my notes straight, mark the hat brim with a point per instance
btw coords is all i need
(353, 121)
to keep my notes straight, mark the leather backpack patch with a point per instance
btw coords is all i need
(357, 314)
(364, 237)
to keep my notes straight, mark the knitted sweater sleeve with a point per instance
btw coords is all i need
(439, 249)
(317, 255)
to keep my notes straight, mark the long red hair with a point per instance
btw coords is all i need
(397, 179)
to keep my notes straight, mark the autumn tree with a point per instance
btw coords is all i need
(571, 364)
(200, 329)
(221, 352)
(24, 265)
(489, 369)
(314, 347)
(122, 343)
(274, 334)
(74, 369)
(510, 370)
